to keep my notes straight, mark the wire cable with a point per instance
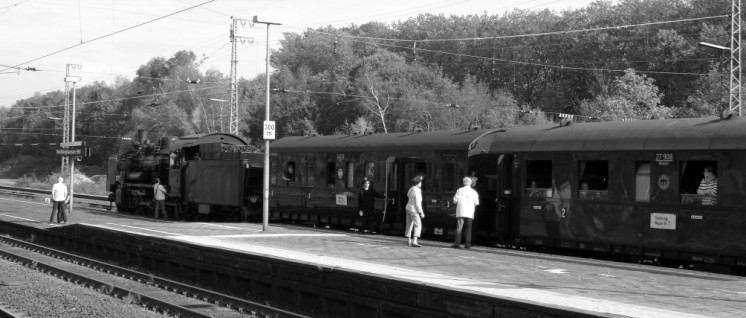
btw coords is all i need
(110, 34)
(519, 35)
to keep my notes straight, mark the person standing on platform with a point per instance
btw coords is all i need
(415, 214)
(160, 198)
(466, 200)
(366, 202)
(59, 199)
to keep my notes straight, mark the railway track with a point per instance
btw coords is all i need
(97, 202)
(158, 294)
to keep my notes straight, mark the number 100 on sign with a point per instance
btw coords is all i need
(269, 130)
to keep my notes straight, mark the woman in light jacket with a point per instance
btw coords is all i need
(415, 214)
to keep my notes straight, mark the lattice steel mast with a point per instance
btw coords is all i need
(735, 57)
(66, 127)
(233, 121)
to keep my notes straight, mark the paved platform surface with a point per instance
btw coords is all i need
(601, 287)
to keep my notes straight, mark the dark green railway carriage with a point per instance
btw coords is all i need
(316, 179)
(628, 188)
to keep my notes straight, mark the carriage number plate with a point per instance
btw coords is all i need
(664, 158)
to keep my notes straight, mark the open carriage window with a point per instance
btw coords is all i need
(370, 170)
(331, 174)
(289, 171)
(350, 180)
(698, 182)
(594, 180)
(539, 178)
(642, 181)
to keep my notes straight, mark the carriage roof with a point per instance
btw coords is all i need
(412, 141)
(654, 135)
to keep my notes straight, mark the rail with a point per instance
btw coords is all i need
(162, 303)
(18, 190)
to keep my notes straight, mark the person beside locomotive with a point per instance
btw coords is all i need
(159, 192)
(466, 200)
(708, 188)
(366, 199)
(415, 213)
(59, 201)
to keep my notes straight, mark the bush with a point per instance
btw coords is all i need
(82, 183)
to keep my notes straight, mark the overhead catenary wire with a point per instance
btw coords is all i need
(109, 34)
(496, 37)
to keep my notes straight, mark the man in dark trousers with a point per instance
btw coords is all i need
(366, 202)
(160, 198)
(59, 198)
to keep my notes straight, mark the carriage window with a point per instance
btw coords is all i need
(310, 172)
(642, 181)
(698, 183)
(273, 169)
(350, 175)
(370, 171)
(416, 169)
(331, 174)
(594, 182)
(289, 174)
(449, 173)
(539, 178)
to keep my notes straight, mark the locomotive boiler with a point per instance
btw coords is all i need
(208, 176)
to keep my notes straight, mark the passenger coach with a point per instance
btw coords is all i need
(624, 188)
(316, 179)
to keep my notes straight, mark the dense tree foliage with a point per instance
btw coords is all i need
(621, 60)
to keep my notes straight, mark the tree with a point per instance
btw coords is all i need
(632, 96)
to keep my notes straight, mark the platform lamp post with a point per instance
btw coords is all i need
(266, 134)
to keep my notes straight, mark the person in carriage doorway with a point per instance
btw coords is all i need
(59, 201)
(415, 213)
(466, 200)
(366, 202)
(159, 192)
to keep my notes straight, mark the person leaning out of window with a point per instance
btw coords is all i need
(708, 188)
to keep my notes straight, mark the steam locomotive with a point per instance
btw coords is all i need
(208, 176)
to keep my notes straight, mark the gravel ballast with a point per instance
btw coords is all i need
(27, 291)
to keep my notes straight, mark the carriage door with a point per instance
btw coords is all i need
(506, 192)
(399, 173)
(310, 181)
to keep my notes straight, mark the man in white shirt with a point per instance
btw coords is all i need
(160, 198)
(59, 198)
(466, 200)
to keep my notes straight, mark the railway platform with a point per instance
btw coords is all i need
(364, 275)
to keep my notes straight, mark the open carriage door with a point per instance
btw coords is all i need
(393, 195)
(399, 172)
(506, 194)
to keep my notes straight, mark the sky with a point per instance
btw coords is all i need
(113, 38)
